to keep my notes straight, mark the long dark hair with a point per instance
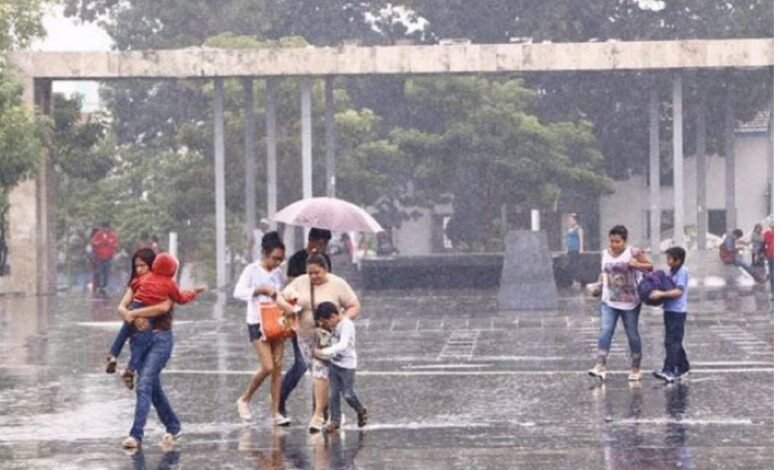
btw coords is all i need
(147, 255)
(270, 242)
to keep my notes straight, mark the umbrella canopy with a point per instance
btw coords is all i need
(328, 213)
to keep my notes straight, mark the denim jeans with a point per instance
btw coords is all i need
(770, 262)
(149, 389)
(676, 361)
(125, 332)
(292, 376)
(738, 261)
(609, 319)
(342, 381)
(140, 341)
(103, 273)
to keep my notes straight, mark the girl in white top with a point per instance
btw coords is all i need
(620, 270)
(259, 282)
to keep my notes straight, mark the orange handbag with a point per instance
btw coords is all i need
(275, 324)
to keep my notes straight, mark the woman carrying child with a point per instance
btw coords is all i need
(152, 296)
(147, 286)
(259, 283)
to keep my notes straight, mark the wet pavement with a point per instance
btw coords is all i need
(449, 382)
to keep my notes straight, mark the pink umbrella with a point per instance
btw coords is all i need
(328, 213)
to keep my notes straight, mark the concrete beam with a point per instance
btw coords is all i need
(397, 60)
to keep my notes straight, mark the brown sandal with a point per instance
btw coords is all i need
(110, 364)
(128, 377)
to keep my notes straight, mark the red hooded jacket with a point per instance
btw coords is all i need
(104, 244)
(158, 285)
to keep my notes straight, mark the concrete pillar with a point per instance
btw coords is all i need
(535, 221)
(250, 165)
(219, 180)
(731, 173)
(306, 159)
(270, 148)
(679, 181)
(702, 217)
(330, 138)
(655, 173)
(25, 248)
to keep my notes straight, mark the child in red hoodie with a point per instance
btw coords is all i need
(148, 289)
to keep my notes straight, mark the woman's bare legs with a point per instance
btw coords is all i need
(277, 352)
(268, 364)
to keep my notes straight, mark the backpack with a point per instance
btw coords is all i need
(656, 280)
(726, 255)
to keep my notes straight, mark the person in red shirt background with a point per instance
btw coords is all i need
(769, 252)
(104, 244)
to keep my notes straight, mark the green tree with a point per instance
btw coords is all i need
(20, 22)
(478, 140)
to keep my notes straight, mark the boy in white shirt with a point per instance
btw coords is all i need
(343, 362)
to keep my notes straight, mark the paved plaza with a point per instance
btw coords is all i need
(449, 382)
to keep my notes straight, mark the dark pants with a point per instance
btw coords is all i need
(676, 361)
(103, 273)
(140, 341)
(149, 389)
(573, 265)
(292, 376)
(770, 262)
(342, 382)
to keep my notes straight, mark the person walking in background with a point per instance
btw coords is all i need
(143, 242)
(575, 244)
(155, 243)
(769, 252)
(620, 266)
(676, 364)
(729, 251)
(89, 254)
(104, 245)
(757, 246)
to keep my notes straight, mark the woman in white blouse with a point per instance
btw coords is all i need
(259, 283)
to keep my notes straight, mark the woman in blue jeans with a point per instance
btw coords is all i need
(149, 388)
(620, 267)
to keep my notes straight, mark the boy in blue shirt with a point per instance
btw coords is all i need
(676, 364)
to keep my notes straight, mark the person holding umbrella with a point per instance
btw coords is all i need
(325, 213)
(313, 289)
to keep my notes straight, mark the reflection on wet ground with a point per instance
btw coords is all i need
(450, 383)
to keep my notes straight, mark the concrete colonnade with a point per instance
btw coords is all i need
(702, 219)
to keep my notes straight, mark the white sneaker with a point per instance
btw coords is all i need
(281, 420)
(243, 410)
(316, 423)
(599, 371)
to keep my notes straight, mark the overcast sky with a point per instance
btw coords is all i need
(68, 34)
